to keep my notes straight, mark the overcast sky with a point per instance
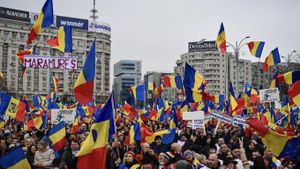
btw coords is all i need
(158, 31)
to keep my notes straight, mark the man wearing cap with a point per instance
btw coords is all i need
(168, 160)
(188, 156)
(158, 145)
(230, 163)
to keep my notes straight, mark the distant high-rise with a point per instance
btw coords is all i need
(127, 73)
(217, 69)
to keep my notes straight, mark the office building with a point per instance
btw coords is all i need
(217, 69)
(14, 28)
(127, 73)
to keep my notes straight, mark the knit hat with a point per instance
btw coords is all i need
(187, 152)
(131, 153)
(169, 155)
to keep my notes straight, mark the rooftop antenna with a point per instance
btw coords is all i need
(94, 11)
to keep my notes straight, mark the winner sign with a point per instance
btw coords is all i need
(46, 62)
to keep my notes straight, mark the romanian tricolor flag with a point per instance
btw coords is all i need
(280, 145)
(92, 154)
(289, 77)
(256, 48)
(166, 135)
(232, 100)
(134, 134)
(57, 135)
(15, 159)
(221, 39)
(294, 93)
(45, 19)
(193, 81)
(138, 92)
(220, 99)
(63, 41)
(36, 122)
(149, 86)
(272, 59)
(75, 126)
(21, 56)
(55, 84)
(84, 85)
(12, 107)
(172, 81)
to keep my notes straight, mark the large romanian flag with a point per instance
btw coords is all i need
(63, 41)
(280, 145)
(193, 82)
(57, 135)
(272, 59)
(221, 39)
(84, 85)
(294, 93)
(15, 159)
(45, 19)
(256, 48)
(172, 81)
(92, 154)
(12, 107)
(289, 77)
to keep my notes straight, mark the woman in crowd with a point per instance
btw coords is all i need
(30, 154)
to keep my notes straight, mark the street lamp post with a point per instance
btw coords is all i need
(289, 58)
(237, 48)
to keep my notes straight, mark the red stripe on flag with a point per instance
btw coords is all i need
(223, 47)
(294, 90)
(84, 93)
(256, 125)
(53, 42)
(96, 159)
(20, 116)
(250, 45)
(60, 144)
(167, 81)
(31, 36)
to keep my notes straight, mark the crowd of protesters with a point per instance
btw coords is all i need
(218, 146)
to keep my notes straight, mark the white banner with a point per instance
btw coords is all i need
(198, 124)
(196, 117)
(221, 117)
(46, 62)
(66, 115)
(269, 95)
(228, 119)
(99, 27)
